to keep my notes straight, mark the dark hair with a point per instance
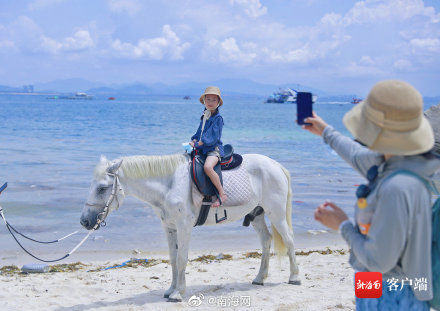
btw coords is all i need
(431, 154)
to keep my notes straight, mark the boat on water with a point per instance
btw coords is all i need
(355, 100)
(285, 96)
(79, 95)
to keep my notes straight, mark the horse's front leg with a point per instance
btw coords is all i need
(183, 236)
(172, 245)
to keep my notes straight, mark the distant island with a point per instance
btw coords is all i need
(229, 87)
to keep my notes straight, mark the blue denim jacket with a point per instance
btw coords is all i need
(212, 134)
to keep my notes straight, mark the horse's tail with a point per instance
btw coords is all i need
(280, 247)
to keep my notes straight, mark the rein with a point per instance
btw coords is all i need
(100, 221)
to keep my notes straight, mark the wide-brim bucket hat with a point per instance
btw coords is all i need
(391, 121)
(213, 90)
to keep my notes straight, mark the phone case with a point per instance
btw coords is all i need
(303, 107)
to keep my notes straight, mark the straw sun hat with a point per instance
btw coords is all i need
(391, 120)
(213, 90)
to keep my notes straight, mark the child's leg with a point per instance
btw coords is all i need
(210, 162)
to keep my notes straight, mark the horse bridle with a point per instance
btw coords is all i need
(100, 218)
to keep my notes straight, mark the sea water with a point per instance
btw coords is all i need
(49, 148)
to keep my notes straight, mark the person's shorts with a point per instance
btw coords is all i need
(215, 153)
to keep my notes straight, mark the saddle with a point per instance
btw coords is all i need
(203, 183)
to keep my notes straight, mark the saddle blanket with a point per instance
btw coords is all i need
(237, 185)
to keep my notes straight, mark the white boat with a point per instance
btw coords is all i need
(285, 96)
(79, 95)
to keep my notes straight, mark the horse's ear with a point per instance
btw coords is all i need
(114, 166)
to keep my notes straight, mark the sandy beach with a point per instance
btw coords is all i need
(215, 281)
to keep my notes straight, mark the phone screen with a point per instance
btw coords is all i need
(303, 107)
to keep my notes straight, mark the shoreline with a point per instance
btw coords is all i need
(218, 284)
(106, 250)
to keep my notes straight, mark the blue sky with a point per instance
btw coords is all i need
(335, 45)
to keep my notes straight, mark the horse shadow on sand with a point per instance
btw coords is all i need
(156, 296)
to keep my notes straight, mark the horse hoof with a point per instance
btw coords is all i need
(174, 300)
(166, 296)
(296, 282)
(257, 283)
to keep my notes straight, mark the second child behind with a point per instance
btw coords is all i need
(207, 139)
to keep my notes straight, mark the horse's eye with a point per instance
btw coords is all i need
(101, 189)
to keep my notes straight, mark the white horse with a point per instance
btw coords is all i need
(164, 182)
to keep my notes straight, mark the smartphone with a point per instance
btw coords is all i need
(303, 107)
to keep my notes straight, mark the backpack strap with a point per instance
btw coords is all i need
(428, 183)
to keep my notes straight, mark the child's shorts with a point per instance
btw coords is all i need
(215, 153)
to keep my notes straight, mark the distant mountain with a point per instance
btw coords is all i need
(4, 88)
(228, 87)
(67, 85)
(243, 87)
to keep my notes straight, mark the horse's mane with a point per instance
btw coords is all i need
(141, 166)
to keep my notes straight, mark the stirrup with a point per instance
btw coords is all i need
(221, 219)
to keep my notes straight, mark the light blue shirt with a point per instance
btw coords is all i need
(398, 243)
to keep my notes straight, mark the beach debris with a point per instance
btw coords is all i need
(135, 252)
(9, 270)
(326, 251)
(35, 268)
(154, 277)
(252, 255)
(220, 256)
(132, 263)
(210, 258)
(202, 270)
(67, 267)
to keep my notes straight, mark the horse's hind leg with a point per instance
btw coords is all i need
(287, 235)
(260, 226)
(172, 245)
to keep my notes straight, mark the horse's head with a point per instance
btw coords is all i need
(105, 193)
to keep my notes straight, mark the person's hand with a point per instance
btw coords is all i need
(200, 143)
(317, 124)
(191, 143)
(331, 218)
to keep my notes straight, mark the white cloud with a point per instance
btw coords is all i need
(168, 45)
(27, 36)
(366, 61)
(128, 6)
(370, 11)
(426, 44)
(402, 65)
(300, 55)
(228, 51)
(80, 41)
(331, 19)
(353, 69)
(252, 8)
